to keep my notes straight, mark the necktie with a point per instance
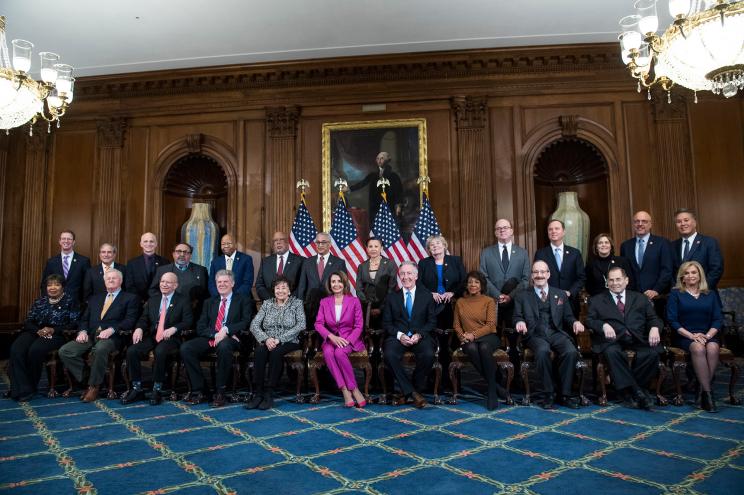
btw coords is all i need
(687, 250)
(641, 250)
(220, 316)
(228, 264)
(280, 270)
(161, 321)
(620, 304)
(321, 267)
(107, 304)
(106, 269)
(409, 304)
(543, 295)
(66, 264)
(505, 258)
(558, 260)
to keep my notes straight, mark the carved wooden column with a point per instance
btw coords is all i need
(107, 216)
(34, 207)
(280, 176)
(476, 221)
(4, 141)
(672, 179)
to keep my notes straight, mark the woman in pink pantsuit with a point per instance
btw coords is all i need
(340, 323)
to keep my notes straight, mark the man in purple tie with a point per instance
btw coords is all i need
(71, 265)
(621, 320)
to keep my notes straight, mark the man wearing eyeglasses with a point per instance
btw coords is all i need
(315, 273)
(192, 278)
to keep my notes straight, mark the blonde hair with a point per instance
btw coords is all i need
(702, 285)
(433, 238)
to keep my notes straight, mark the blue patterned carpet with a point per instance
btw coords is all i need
(63, 446)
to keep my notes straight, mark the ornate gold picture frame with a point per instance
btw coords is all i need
(351, 151)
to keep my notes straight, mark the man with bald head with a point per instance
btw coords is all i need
(282, 262)
(141, 269)
(192, 278)
(316, 270)
(93, 281)
(240, 264)
(394, 191)
(650, 258)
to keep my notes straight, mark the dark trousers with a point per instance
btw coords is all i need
(393, 352)
(645, 365)
(141, 350)
(27, 355)
(194, 349)
(480, 352)
(262, 355)
(566, 356)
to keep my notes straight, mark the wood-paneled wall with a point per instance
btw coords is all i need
(489, 115)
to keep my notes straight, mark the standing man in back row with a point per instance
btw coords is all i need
(232, 260)
(71, 265)
(141, 269)
(692, 246)
(281, 263)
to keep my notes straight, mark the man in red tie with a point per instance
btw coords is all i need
(224, 317)
(163, 319)
(623, 320)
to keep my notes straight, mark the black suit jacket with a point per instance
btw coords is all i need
(178, 315)
(423, 314)
(93, 281)
(192, 284)
(453, 274)
(238, 317)
(121, 315)
(656, 272)
(632, 326)
(137, 280)
(571, 276)
(311, 286)
(79, 266)
(704, 250)
(527, 309)
(267, 274)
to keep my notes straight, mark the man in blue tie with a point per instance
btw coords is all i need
(408, 319)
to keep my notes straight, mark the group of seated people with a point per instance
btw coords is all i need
(149, 306)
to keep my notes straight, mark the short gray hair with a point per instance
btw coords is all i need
(411, 264)
(225, 273)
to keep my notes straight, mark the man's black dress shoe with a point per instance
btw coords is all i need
(132, 395)
(548, 402)
(642, 400)
(571, 402)
(155, 398)
(195, 398)
(267, 402)
(254, 402)
(218, 400)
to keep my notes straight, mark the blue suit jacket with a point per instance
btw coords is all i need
(242, 271)
(705, 251)
(571, 276)
(656, 272)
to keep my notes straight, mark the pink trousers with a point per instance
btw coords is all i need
(337, 360)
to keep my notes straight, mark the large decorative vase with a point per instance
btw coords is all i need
(576, 221)
(200, 231)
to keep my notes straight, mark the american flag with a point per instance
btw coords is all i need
(302, 236)
(426, 226)
(345, 241)
(385, 229)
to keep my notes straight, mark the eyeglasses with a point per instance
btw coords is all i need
(502, 228)
(182, 251)
(322, 242)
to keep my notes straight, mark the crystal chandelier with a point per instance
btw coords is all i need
(703, 49)
(22, 99)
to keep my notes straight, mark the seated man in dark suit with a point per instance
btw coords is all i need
(693, 246)
(105, 317)
(315, 273)
(163, 319)
(224, 318)
(622, 320)
(282, 262)
(240, 264)
(93, 281)
(192, 278)
(565, 264)
(71, 265)
(409, 316)
(650, 258)
(141, 269)
(541, 314)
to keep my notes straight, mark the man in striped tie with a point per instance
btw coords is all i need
(163, 319)
(68, 263)
(224, 317)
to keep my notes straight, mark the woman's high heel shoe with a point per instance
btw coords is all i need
(361, 404)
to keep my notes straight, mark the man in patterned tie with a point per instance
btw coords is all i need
(693, 246)
(224, 318)
(163, 319)
(106, 317)
(93, 282)
(241, 264)
(621, 320)
(282, 262)
(71, 265)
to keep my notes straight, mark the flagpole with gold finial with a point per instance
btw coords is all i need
(423, 182)
(341, 185)
(383, 182)
(302, 184)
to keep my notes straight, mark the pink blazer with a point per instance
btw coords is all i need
(350, 325)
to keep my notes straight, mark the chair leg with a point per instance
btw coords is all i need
(582, 370)
(235, 380)
(52, 377)
(678, 367)
(509, 368)
(525, 369)
(732, 383)
(125, 375)
(437, 382)
(70, 386)
(601, 378)
(381, 375)
(313, 371)
(300, 369)
(660, 399)
(112, 376)
(175, 369)
(367, 379)
(454, 372)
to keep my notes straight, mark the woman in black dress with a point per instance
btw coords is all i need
(600, 262)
